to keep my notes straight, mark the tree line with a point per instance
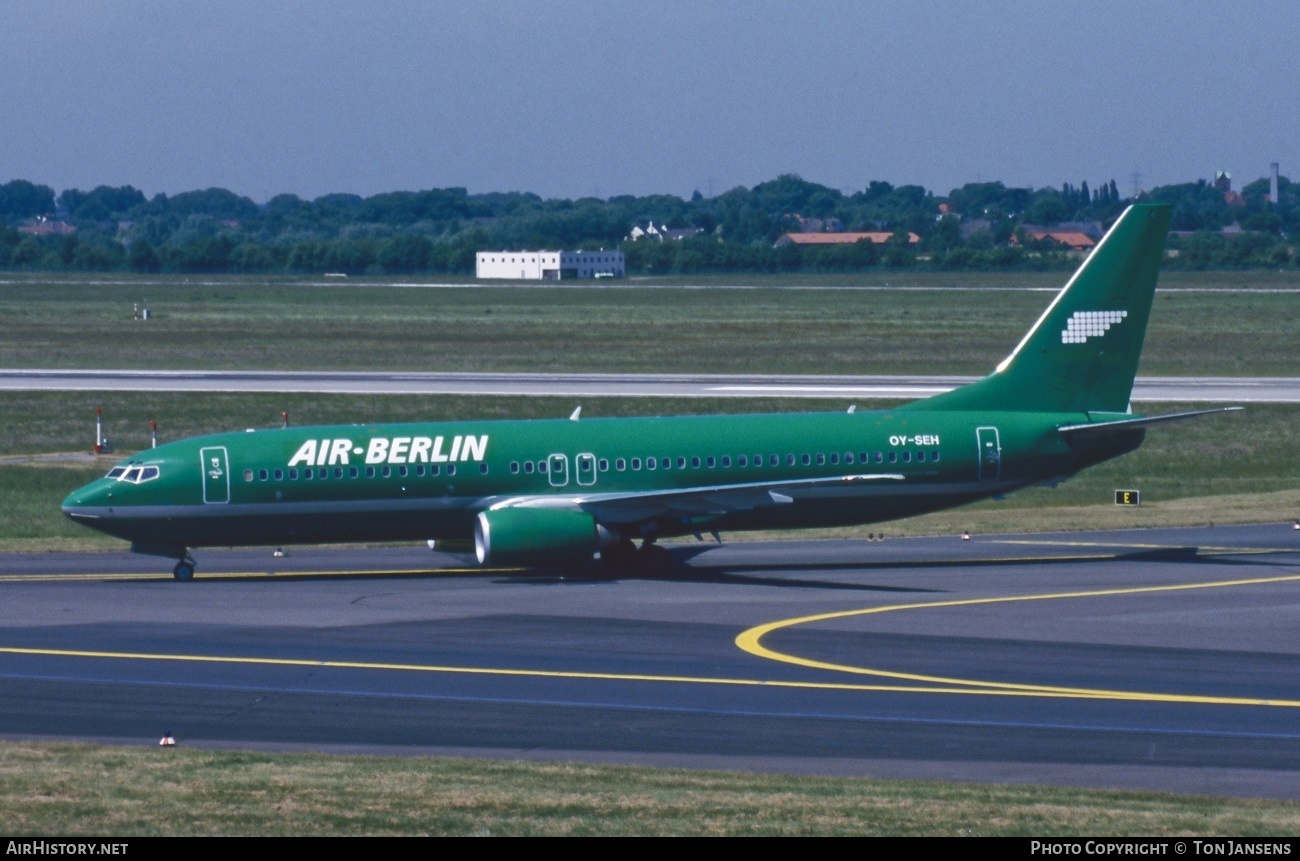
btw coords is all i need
(978, 226)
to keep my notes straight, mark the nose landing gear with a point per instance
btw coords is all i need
(184, 569)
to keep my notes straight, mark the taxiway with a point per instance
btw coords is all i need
(1145, 659)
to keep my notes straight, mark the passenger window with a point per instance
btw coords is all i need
(451, 469)
(279, 475)
(775, 460)
(848, 457)
(893, 457)
(835, 458)
(665, 463)
(636, 464)
(742, 460)
(604, 465)
(354, 472)
(907, 457)
(338, 472)
(370, 472)
(482, 469)
(401, 471)
(821, 459)
(293, 475)
(248, 475)
(650, 463)
(386, 472)
(934, 455)
(879, 458)
(695, 463)
(434, 470)
(308, 474)
(711, 462)
(620, 464)
(681, 463)
(726, 461)
(789, 460)
(541, 466)
(920, 456)
(514, 467)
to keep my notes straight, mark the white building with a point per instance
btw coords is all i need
(548, 265)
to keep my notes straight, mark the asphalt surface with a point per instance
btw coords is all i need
(1146, 389)
(1153, 659)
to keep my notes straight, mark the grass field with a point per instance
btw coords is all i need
(244, 323)
(69, 790)
(1235, 468)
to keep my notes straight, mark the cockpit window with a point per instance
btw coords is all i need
(133, 472)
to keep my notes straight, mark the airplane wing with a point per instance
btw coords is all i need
(636, 506)
(1098, 430)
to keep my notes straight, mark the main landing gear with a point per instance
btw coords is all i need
(650, 560)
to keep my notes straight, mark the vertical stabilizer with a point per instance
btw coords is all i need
(1082, 354)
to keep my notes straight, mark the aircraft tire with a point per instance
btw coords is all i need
(183, 571)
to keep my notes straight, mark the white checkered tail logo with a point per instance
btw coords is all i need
(1083, 325)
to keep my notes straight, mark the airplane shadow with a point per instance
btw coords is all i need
(752, 573)
(687, 569)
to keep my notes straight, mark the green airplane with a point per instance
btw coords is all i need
(557, 492)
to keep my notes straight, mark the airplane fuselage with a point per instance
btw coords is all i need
(429, 480)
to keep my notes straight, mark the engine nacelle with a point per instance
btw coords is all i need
(537, 536)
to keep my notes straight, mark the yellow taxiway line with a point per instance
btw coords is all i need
(750, 641)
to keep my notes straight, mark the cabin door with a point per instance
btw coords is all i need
(990, 453)
(585, 466)
(216, 474)
(557, 469)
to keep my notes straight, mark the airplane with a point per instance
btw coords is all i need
(558, 492)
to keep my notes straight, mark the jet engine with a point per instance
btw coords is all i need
(538, 536)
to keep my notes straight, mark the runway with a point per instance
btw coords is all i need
(1155, 659)
(1237, 390)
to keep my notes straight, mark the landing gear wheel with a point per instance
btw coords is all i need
(184, 569)
(619, 556)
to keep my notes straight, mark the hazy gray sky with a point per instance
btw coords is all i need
(569, 98)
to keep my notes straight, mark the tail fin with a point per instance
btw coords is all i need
(1082, 354)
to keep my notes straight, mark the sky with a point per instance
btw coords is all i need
(569, 98)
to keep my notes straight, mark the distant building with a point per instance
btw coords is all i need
(661, 232)
(1223, 182)
(1092, 228)
(549, 265)
(44, 227)
(1071, 239)
(879, 237)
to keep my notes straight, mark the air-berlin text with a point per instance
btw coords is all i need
(396, 450)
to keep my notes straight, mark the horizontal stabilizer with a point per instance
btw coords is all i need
(1098, 430)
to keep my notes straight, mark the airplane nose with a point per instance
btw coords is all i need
(84, 500)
